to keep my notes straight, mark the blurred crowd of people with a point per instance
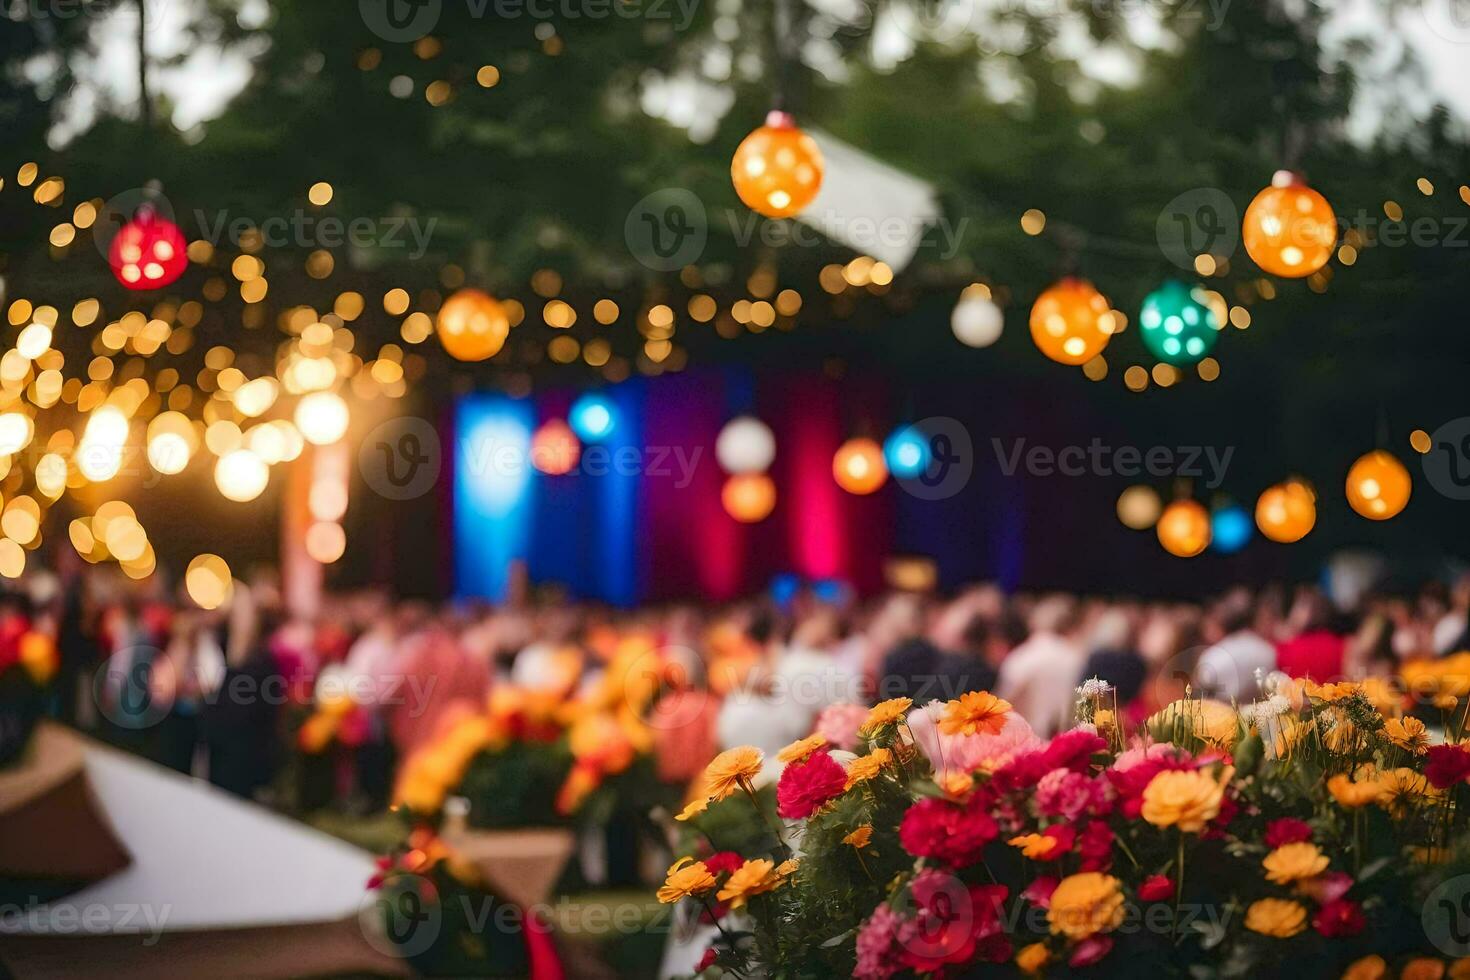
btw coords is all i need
(220, 693)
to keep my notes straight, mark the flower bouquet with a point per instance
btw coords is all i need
(1317, 832)
(434, 909)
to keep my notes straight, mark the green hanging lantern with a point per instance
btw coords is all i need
(1178, 324)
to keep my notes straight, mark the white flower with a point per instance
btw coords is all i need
(1094, 687)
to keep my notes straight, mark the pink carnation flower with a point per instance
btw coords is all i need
(839, 724)
(969, 753)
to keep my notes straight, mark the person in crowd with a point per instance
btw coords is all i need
(1039, 676)
(1233, 667)
(808, 675)
(1313, 650)
(240, 724)
(1114, 656)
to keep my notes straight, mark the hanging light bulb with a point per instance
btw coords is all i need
(976, 321)
(1286, 512)
(149, 252)
(1378, 486)
(472, 325)
(858, 466)
(749, 497)
(745, 445)
(1289, 229)
(777, 169)
(1071, 322)
(1184, 528)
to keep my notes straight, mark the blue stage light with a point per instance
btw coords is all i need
(1230, 529)
(907, 452)
(592, 417)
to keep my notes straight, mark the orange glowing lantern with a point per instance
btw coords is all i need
(555, 448)
(1286, 512)
(1378, 486)
(148, 252)
(472, 325)
(858, 466)
(749, 497)
(1071, 322)
(777, 169)
(1289, 229)
(1184, 528)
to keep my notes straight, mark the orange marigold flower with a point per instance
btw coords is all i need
(957, 784)
(801, 748)
(1368, 968)
(1422, 968)
(687, 878)
(694, 808)
(1352, 793)
(1293, 862)
(888, 712)
(1086, 904)
(1035, 846)
(866, 767)
(1280, 918)
(975, 713)
(860, 837)
(1031, 959)
(750, 879)
(1184, 798)
(725, 774)
(1407, 733)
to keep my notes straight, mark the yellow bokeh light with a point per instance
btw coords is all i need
(208, 581)
(241, 475)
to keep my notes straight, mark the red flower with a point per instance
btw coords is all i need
(1342, 917)
(1022, 772)
(723, 862)
(1064, 836)
(1287, 830)
(1039, 891)
(707, 960)
(1073, 750)
(1156, 888)
(805, 786)
(955, 834)
(1096, 846)
(1447, 765)
(1229, 807)
(1090, 950)
(957, 924)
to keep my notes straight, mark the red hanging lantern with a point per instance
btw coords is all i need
(149, 252)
